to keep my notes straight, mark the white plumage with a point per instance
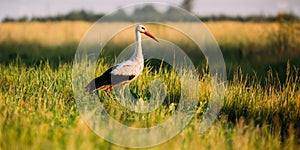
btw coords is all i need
(124, 72)
(129, 67)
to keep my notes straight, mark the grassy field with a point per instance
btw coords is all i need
(38, 110)
(253, 46)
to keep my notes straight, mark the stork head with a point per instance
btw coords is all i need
(143, 29)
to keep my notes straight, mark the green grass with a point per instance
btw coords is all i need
(38, 111)
(261, 109)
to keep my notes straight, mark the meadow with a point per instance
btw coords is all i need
(253, 46)
(261, 108)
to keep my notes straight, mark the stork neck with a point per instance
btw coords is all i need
(138, 47)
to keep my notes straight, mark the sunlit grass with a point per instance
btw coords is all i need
(38, 111)
(253, 46)
(57, 33)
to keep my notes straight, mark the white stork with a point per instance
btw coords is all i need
(124, 72)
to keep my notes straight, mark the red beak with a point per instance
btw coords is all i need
(150, 35)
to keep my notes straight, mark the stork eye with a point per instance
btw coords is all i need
(143, 28)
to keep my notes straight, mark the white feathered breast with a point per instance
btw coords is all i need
(128, 68)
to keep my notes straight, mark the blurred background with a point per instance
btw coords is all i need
(43, 8)
(257, 36)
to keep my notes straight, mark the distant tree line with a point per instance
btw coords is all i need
(147, 13)
(71, 16)
(252, 18)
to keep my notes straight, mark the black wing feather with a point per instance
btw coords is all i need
(107, 79)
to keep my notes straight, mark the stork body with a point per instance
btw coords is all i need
(124, 72)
